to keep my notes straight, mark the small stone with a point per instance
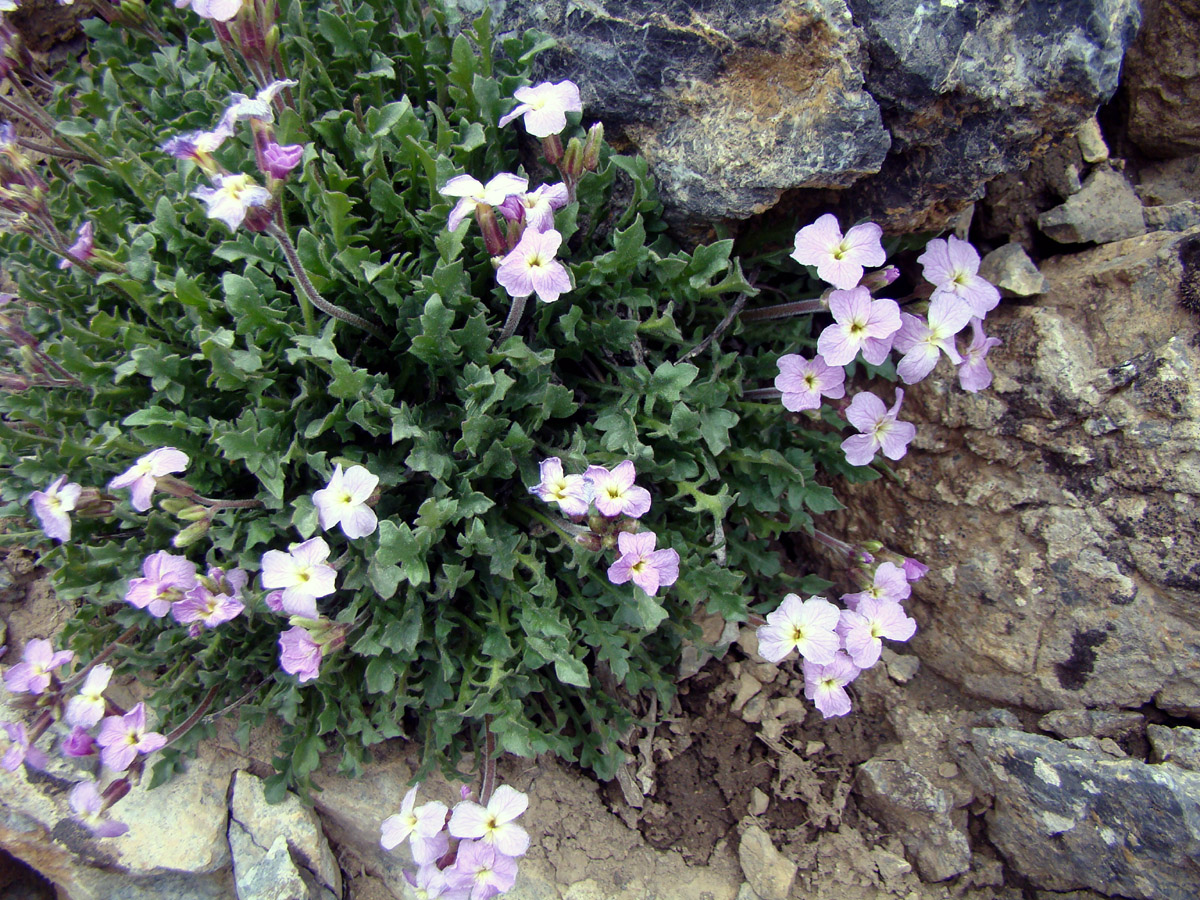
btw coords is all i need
(1071, 723)
(752, 712)
(1091, 142)
(1011, 270)
(758, 802)
(769, 873)
(747, 640)
(997, 718)
(272, 876)
(789, 710)
(948, 770)
(903, 668)
(1176, 217)
(765, 672)
(745, 892)
(1107, 209)
(812, 748)
(1112, 748)
(747, 687)
(986, 871)
(1179, 745)
(890, 866)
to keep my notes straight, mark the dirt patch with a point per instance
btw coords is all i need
(28, 607)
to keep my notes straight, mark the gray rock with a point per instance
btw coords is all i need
(902, 667)
(265, 874)
(768, 872)
(1057, 510)
(891, 867)
(1071, 723)
(1106, 210)
(1169, 182)
(1091, 142)
(920, 814)
(1162, 79)
(745, 892)
(1067, 820)
(1176, 217)
(1010, 269)
(1178, 745)
(912, 105)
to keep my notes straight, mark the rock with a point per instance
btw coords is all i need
(997, 718)
(1162, 79)
(265, 875)
(890, 866)
(1091, 142)
(1010, 269)
(948, 770)
(768, 872)
(1178, 745)
(745, 892)
(1169, 182)
(1067, 820)
(1106, 210)
(920, 814)
(297, 825)
(1071, 723)
(911, 106)
(753, 710)
(747, 687)
(1057, 509)
(1176, 217)
(758, 802)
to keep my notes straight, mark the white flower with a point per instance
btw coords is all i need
(344, 501)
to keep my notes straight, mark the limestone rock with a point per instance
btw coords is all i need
(1010, 269)
(1177, 745)
(913, 106)
(1099, 723)
(1066, 819)
(908, 804)
(1057, 510)
(1091, 142)
(265, 875)
(1162, 79)
(1107, 209)
(768, 872)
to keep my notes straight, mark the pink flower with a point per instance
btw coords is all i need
(483, 869)
(431, 883)
(299, 654)
(890, 583)
(425, 821)
(880, 428)
(214, 603)
(573, 493)
(804, 383)
(32, 674)
(920, 340)
(952, 267)
(78, 743)
(166, 580)
(494, 824)
(428, 850)
(143, 475)
(280, 159)
(472, 192)
(52, 505)
(860, 323)
(914, 570)
(839, 260)
(826, 684)
(536, 208)
(615, 493)
(83, 249)
(545, 107)
(86, 708)
(88, 807)
(974, 374)
(344, 502)
(21, 750)
(122, 738)
(302, 574)
(807, 626)
(531, 267)
(648, 568)
(862, 629)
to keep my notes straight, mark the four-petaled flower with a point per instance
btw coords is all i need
(494, 824)
(83, 249)
(88, 806)
(862, 629)
(257, 107)
(952, 267)
(32, 674)
(424, 821)
(545, 107)
(431, 883)
(217, 10)
(615, 493)
(122, 738)
(214, 603)
(920, 340)
(891, 582)
(344, 501)
(167, 579)
(86, 708)
(280, 159)
(640, 563)
(483, 869)
(52, 505)
(21, 750)
(573, 493)
(860, 323)
(803, 382)
(472, 192)
(803, 625)
(530, 267)
(839, 260)
(302, 574)
(299, 654)
(880, 428)
(974, 374)
(826, 684)
(536, 208)
(144, 474)
(232, 198)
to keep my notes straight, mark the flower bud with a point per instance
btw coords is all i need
(493, 237)
(589, 541)
(29, 360)
(193, 513)
(93, 505)
(174, 505)
(572, 160)
(15, 383)
(552, 148)
(115, 791)
(875, 281)
(191, 534)
(271, 40)
(591, 147)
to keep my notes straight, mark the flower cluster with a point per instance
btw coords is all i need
(836, 644)
(618, 502)
(468, 853)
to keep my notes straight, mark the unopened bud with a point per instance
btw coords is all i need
(591, 147)
(194, 513)
(589, 541)
(174, 505)
(14, 382)
(93, 505)
(271, 39)
(115, 791)
(875, 281)
(191, 534)
(493, 237)
(29, 360)
(258, 218)
(572, 160)
(552, 149)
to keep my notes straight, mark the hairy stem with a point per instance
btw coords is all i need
(784, 311)
(719, 330)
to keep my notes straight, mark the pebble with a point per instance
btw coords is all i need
(747, 687)
(812, 748)
(752, 712)
(758, 802)
(1011, 270)
(769, 873)
(948, 770)
(890, 866)
(1091, 142)
(903, 669)
(1106, 209)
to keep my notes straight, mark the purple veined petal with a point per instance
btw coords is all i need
(883, 316)
(817, 241)
(118, 757)
(859, 449)
(517, 111)
(865, 410)
(507, 804)
(150, 742)
(962, 256)
(935, 262)
(140, 493)
(893, 623)
(836, 345)
(895, 438)
(550, 280)
(640, 544)
(645, 577)
(799, 401)
(876, 350)
(843, 274)
(462, 209)
(360, 483)
(864, 243)
(431, 818)
(360, 522)
(624, 474)
(393, 832)
(622, 570)
(312, 552)
(891, 582)
(426, 851)
(913, 330)
(637, 502)
(469, 820)
(503, 185)
(514, 275)
(831, 700)
(981, 295)
(849, 305)
(820, 646)
(948, 315)
(464, 186)
(510, 840)
(917, 363)
(298, 602)
(666, 564)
